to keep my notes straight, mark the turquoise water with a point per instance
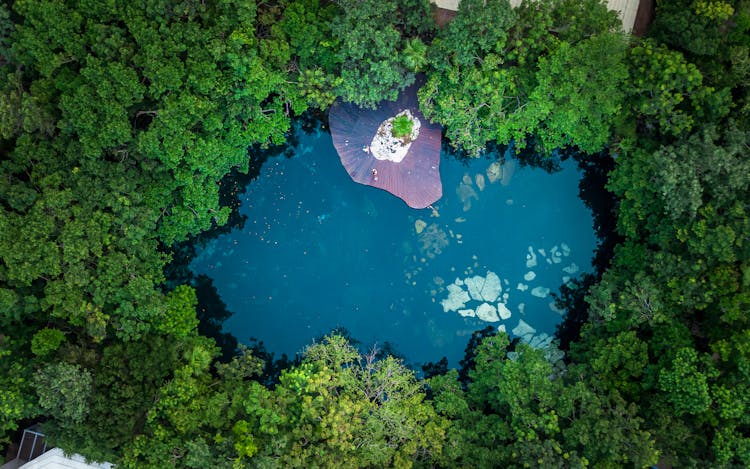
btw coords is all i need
(319, 251)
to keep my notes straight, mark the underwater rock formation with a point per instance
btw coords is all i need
(466, 193)
(433, 240)
(487, 312)
(419, 226)
(494, 172)
(480, 181)
(540, 292)
(457, 298)
(523, 329)
(503, 311)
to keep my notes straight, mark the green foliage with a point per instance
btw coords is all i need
(64, 391)
(372, 36)
(46, 341)
(499, 74)
(402, 126)
(578, 95)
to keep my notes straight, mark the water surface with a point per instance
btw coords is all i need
(319, 251)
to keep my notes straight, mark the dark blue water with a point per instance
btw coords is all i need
(319, 251)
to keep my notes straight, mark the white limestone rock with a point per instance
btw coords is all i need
(503, 311)
(531, 258)
(523, 329)
(501, 328)
(571, 269)
(459, 282)
(565, 249)
(474, 285)
(530, 275)
(522, 286)
(487, 312)
(385, 146)
(492, 287)
(457, 298)
(540, 292)
(541, 341)
(467, 313)
(522, 308)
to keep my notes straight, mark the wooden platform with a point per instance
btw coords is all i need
(416, 179)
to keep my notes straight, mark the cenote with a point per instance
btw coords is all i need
(318, 251)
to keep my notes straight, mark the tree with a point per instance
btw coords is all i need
(373, 36)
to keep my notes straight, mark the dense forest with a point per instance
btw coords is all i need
(122, 122)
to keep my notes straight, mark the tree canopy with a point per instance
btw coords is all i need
(120, 121)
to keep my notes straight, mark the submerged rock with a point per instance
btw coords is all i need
(503, 311)
(466, 193)
(479, 179)
(474, 285)
(467, 313)
(523, 329)
(494, 171)
(540, 292)
(433, 240)
(457, 298)
(501, 328)
(492, 287)
(487, 312)
(522, 286)
(419, 226)
(529, 276)
(531, 258)
(571, 269)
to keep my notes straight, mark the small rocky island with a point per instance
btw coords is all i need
(395, 136)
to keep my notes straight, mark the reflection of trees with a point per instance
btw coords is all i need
(212, 312)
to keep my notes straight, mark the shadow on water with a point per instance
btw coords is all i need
(601, 203)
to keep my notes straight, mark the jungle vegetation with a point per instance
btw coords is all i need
(120, 121)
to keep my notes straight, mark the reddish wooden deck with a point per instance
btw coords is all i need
(416, 179)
